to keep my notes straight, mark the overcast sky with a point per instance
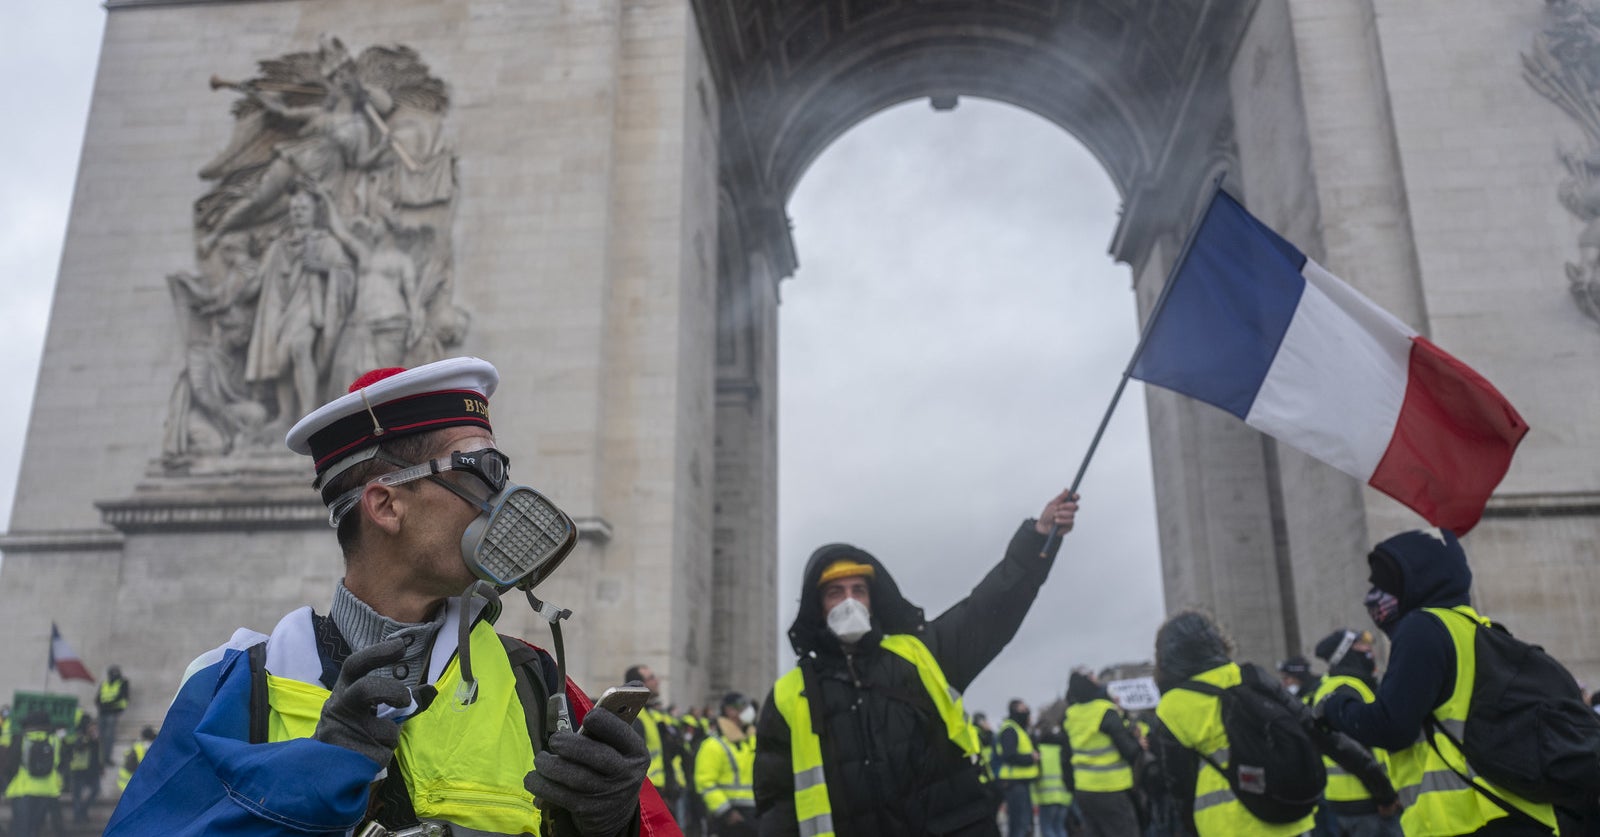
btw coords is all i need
(948, 345)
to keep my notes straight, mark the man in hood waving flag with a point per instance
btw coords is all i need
(1251, 325)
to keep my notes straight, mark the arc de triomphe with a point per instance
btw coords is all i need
(592, 194)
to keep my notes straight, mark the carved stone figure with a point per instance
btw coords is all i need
(341, 170)
(1564, 67)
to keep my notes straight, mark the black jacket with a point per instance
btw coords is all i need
(890, 766)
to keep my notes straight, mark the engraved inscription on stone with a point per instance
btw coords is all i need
(322, 246)
(1564, 67)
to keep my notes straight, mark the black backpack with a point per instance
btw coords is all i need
(1274, 767)
(1528, 729)
(40, 759)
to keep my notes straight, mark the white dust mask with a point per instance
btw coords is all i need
(747, 715)
(850, 621)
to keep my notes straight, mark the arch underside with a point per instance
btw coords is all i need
(1137, 81)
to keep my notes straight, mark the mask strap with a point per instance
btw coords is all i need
(467, 691)
(560, 715)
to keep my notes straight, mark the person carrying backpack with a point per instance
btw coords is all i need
(1351, 665)
(1420, 590)
(1238, 753)
(33, 791)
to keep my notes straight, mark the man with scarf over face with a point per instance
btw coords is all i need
(1421, 587)
(867, 736)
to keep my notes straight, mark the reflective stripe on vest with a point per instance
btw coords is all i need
(1017, 772)
(1344, 786)
(462, 764)
(813, 812)
(1437, 800)
(1195, 720)
(1096, 764)
(723, 773)
(1051, 787)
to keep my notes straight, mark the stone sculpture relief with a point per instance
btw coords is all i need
(322, 247)
(1564, 67)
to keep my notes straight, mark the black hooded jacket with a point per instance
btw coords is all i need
(889, 763)
(1433, 572)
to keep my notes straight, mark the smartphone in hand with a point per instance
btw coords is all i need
(623, 701)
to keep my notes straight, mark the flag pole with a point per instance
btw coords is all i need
(1144, 335)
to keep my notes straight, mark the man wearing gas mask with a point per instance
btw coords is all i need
(867, 736)
(401, 712)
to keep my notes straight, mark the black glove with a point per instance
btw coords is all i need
(349, 718)
(1319, 712)
(592, 776)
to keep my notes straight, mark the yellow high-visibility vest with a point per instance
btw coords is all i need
(723, 771)
(1096, 764)
(463, 764)
(124, 773)
(1438, 801)
(108, 691)
(1344, 786)
(813, 811)
(27, 784)
(1051, 787)
(1195, 720)
(1018, 772)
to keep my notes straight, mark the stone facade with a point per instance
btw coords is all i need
(619, 240)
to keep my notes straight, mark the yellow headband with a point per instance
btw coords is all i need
(845, 568)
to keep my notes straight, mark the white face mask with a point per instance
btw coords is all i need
(747, 715)
(850, 620)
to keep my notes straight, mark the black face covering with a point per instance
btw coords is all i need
(1020, 719)
(1364, 661)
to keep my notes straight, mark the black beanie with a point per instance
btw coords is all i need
(1330, 644)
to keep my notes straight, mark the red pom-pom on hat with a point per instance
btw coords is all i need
(375, 376)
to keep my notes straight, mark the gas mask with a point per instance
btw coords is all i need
(850, 621)
(519, 537)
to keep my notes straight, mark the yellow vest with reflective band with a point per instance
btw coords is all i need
(462, 764)
(1344, 786)
(1096, 764)
(5, 732)
(813, 812)
(1017, 772)
(108, 690)
(649, 718)
(27, 784)
(722, 773)
(1051, 787)
(1195, 720)
(1437, 801)
(124, 775)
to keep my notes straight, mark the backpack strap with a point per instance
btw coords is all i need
(258, 693)
(1433, 726)
(528, 667)
(1192, 685)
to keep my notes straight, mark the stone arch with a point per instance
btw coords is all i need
(1141, 83)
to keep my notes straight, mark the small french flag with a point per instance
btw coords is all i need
(1250, 325)
(64, 660)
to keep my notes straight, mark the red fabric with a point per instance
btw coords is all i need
(64, 660)
(375, 376)
(655, 818)
(1453, 441)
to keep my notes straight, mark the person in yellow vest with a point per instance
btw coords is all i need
(1352, 665)
(1421, 588)
(402, 708)
(985, 743)
(83, 768)
(36, 787)
(1190, 736)
(1104, 753)
(1052, 791)
(868, 736)
(1016, 763)
(724, 767)
(111, 700)
(661, 738)
(134, 757)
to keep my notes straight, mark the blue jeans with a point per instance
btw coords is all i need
(1053, 820)
(1019, 809)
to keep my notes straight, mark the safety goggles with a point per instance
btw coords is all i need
(490, 466)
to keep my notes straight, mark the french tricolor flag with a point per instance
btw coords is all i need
(64, 660)
(1250, 325)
